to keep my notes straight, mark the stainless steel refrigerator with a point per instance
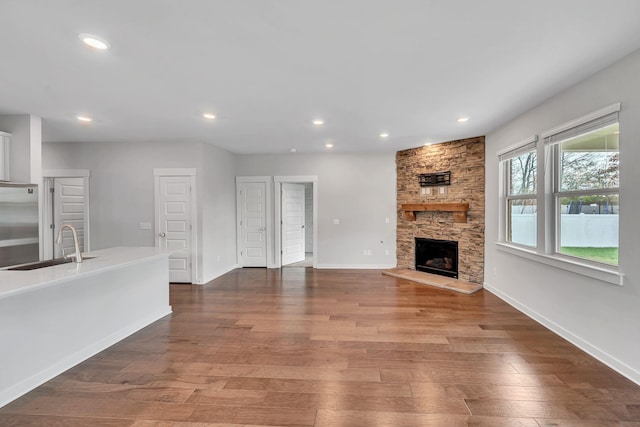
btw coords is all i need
(19, 234)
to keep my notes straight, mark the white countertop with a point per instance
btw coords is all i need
(16, 282)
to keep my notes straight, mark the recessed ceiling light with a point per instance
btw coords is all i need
(209, 116)
(329, 145)
(318, 122)
(292, 150)
(94, 41)
(85, 119)
(384, 135)
(463, 119)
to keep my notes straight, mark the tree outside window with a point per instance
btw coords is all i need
(587, 195)
(521, 199)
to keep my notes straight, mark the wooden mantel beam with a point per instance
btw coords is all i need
(459, 210)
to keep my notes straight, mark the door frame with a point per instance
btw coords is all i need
(302, 179)
(268, 220)
(303, 231)
(191, 173)
(46, 237)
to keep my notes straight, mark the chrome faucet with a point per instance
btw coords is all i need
(78, 254)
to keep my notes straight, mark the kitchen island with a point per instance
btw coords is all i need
(56, 317)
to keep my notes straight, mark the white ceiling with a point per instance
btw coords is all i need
(267, 68)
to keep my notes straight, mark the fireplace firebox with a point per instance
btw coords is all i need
(437, 256)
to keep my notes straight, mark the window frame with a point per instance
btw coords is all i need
(601, 118)
(506, 158)
(548, 212)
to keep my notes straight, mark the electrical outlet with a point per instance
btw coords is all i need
(387, 220)
(336, 221)
(386, 252)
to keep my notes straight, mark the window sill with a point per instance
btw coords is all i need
(599, 273)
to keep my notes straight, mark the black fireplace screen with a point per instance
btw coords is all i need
(437, 257)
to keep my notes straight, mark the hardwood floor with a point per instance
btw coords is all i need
(304, 347)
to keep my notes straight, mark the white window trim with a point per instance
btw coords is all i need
(515, 150)
(504, 155)
(565, 263)
(544, 252)
(613, 108)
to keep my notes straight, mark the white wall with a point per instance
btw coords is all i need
(121, 191)
(26, 142)
(357, 189)
(218, 212)
(599, 317)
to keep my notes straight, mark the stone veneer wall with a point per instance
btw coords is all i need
(465, 159)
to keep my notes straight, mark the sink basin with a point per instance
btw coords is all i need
(43, 264)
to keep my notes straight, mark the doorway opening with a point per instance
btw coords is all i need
(296, 221)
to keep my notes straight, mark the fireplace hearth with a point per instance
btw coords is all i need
(437, 256)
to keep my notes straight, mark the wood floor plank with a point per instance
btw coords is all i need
(305, 347)
(28, 420)
(330, 418)
(357, 388)
(549, 409)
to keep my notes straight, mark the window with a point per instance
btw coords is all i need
(586, 189)
(519, 165)
(564, 211)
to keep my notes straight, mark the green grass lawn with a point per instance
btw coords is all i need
(605, 255)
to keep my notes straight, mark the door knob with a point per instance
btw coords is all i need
(162, 234)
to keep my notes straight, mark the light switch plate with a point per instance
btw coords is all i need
(336, 221)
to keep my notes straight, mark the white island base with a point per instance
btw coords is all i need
(53, 318)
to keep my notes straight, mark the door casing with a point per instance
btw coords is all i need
(298, 225)
(267, 180)
(302, 179)
(191, 173)
(273, 185)
(46, 211)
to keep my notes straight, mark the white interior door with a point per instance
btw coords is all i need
(174, 225)
(253, 223)
(68, 208)
(293, 234)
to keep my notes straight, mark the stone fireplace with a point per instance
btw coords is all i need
(437, 256)
(441, 213)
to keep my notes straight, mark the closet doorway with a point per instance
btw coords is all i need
(296, 224)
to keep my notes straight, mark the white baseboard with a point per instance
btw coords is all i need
(28, 384)
(355, 266)
(604, 357)
(216, 275)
